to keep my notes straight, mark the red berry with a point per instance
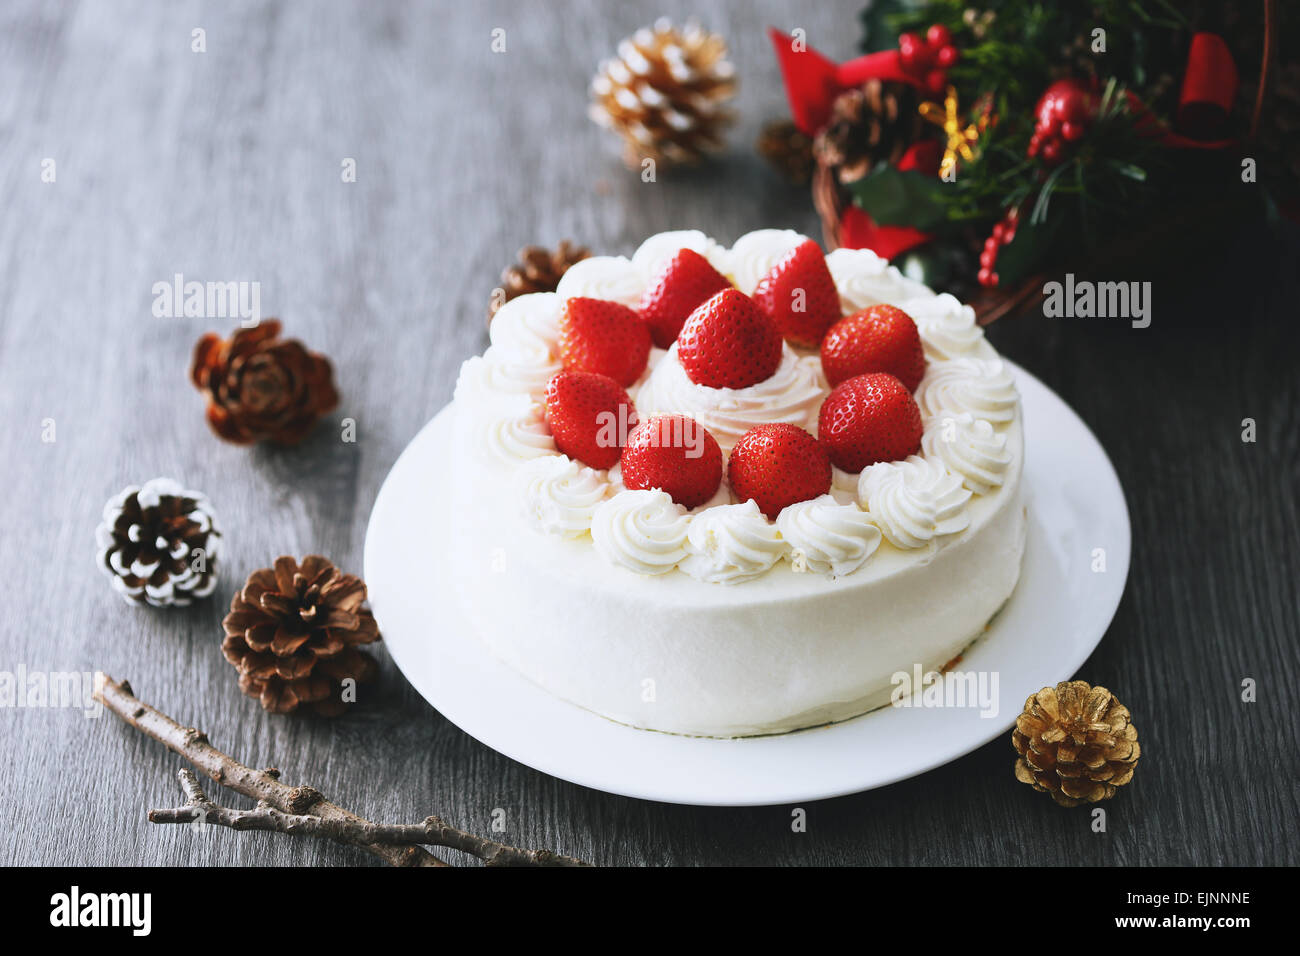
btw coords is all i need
(1052, 151)
(938, 35)
(1071, 130)
(675, 454)
(947, 57)
(988, 257)
(909, 46)
(590, 417)
(880, 338)
(985, 276)
(681, 284)
(867, 419)
(728, 342)
(800, 296)
(935, 81)
(777, 465)
(604, 337)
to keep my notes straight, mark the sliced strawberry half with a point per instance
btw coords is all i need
(681, 284)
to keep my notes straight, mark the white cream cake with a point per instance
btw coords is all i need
(720, 621)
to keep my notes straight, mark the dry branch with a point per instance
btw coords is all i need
(297, 810)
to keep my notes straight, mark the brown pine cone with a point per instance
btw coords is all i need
(538, 270)
(874, 122)
(788, 149)
(260, 386)
(1075, 742)
(664, 94)
(158, 544)
(293, 632)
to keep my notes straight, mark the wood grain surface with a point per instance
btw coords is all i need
(225, 165)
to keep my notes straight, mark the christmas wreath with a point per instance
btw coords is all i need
(986, 145)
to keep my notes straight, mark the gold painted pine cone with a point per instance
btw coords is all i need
(293, 634)
(1076, 742)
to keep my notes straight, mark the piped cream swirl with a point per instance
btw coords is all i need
(603, 277)
(560, 495)
(658, 249)
(827, 537)
(863, 279)
(913, 501)
(644, 531)
(793, 394)
(731, 543)
(971, 447)
(983, 387)
(528, 327)
(948, 328)
(520, 437)
(755, 253)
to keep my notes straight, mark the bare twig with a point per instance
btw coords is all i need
(297, 810)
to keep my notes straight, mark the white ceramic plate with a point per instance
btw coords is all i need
(1057, 615)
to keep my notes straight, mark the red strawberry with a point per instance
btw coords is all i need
(604, 337)
(799, 294)
(880, 338)
(590, 416)
(729, 343)
(867, 419)
(680, 285)
(675, 454)
(777, 465)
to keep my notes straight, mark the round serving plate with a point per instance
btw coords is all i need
(1066, 598)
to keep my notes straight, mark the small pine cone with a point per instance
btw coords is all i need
(874, 122)
(292, 632)
(260, 386)
(1075, 742)
(788, 149)
(664, 94)
(159, 544)
(538, 270)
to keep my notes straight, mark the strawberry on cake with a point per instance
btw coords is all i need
(727, 492)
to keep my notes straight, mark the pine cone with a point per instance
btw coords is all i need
(538, 270)
(158, 544)
(788, 149)
(260, 386)
(1076, 743)
(664, 93)
(876, 121)
(293, 633)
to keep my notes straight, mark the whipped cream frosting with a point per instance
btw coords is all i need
(967, 399)
(517, 438)
(827, 537)
(983, 387)
(755, 253)
(792, 394)
(659, 248)
(913, 501)
(613, 278)
(863, 279)
(731, 543)
(971, 447)
(948, 328)
(644, 531)
(561, 495)
(528, 327)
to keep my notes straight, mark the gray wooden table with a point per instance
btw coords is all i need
(225, 165)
